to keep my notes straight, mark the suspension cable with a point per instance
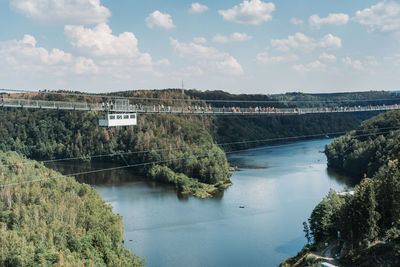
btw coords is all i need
(142, 164)
(201, 146)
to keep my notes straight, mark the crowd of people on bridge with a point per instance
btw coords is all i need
(124, 106)
(257, 109)
(207, 108)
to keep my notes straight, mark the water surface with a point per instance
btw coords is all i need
(278, 187)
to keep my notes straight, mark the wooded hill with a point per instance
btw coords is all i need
(364, 227)
(184, 146)
(366, 154)
(56, 221)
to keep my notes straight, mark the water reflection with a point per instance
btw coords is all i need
(342, 177)
(277, 186)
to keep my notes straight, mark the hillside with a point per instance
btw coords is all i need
(341, 99)
(366, 154)
(184, 146)
(363, 228)
(56, 222)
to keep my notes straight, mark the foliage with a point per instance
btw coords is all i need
(365, 225)
(183, 144)
(303, 258)
(55, 221)
(361, 220)
(340, 99)
(278, 128)
(378, 142)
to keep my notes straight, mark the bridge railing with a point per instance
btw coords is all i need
(30, 103)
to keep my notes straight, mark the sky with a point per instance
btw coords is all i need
(238, 46)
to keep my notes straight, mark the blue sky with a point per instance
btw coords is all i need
(250, 46)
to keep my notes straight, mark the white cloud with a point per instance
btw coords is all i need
(162, 62)
(296, 21)
(100, 42)
(355, 64)
(330, 41)
(333, 19)
(116, 55)
(63, 11)
(240, 37)
(305, 43)
(252, 12)
(316, 65)
(85, 65)
(94, 65)
(208, 58)
(200, 40)
(395, 59)
(264, 58)
(327, 57)
(383, 17)
(219, 38)
(371, 61)
(229, 65)
(25, 55)
(162, 20)
(190, 71)
(197, 8)
(234, 37)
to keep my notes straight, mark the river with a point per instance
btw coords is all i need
(255, 222)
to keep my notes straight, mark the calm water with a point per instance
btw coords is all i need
(278, 186)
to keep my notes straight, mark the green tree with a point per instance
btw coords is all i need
(306, 230)
(321, 221)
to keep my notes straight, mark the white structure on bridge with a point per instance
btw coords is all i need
(119, 115)
(119, 119)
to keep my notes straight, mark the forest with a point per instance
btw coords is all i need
(182, 145)
(362, 226)
(185, 147)
(367, 153)
(186, 151)
(55, 221)
(350, 99)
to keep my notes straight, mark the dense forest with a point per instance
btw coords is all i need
(372, 98)
(367, 153)
(184, 147)
(361, 227)
(186, 151)
(277, 129)
(55, 222)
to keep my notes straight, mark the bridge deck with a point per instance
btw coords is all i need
(83, 106)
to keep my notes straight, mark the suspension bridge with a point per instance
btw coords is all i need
(118, 109)
(185, 110)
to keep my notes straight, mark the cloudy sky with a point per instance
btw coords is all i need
(250, 46)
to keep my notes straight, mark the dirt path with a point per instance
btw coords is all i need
(327, 256)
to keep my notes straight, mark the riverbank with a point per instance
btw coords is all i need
(169, 230)
(363, 224)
